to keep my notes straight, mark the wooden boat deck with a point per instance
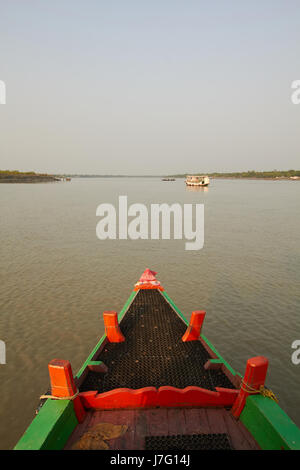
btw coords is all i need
(166, 422)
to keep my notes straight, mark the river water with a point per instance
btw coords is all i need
(57, 277)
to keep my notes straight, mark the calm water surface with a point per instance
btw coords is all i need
(57, 278)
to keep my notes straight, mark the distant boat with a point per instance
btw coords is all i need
(168, 179)
(192, 180)
(68, 179)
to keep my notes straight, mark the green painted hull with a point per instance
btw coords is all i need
(266, 421)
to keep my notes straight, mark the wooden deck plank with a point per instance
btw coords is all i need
(141, 429)
(238, 440)
(79, 431)
(157, 420)
(106, 417)
(95, 418)
(203, 423)
(249, 438)
(176, 421)
(166, 421)
(216, 420)
(192, 421)
(126, 417)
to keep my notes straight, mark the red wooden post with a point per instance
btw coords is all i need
(254, 378)
(112, 328)
(194, 329)
(63, 385)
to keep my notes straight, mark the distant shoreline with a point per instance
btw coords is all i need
(8, 176)
(28, 177)
(265, 175)
(276, 178)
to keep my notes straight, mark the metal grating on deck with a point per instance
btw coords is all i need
(188, 442)
(153, 353)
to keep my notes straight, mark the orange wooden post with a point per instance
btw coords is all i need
(63, 385)
(112, 328)
(254, 378)
(194, 329)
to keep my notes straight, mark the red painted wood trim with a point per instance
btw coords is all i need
(61, 378)
(112, 328)
(149, 397)
(195, 396)
(194, 329)
(120, 398)
(148, 286)
(79, 409)
(255, 376)
(63, 384)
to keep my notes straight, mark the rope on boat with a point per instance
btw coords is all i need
(265, 392)
(43, 397)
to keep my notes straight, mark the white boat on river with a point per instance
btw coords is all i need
(192, 180)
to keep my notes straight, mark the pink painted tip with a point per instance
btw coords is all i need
(148, 275)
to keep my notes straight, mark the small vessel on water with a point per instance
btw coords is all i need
(155, 382)
(168, 179)
(193, 180)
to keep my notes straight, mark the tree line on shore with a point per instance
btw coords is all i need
(15, 174)
(251, 174)
(12, 176)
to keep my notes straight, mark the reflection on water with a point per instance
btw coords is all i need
(203, 189)
(57, 278)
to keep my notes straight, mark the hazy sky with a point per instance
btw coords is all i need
(149, 86)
